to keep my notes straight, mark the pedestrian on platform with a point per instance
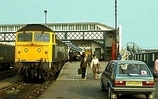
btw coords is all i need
(119, 56)
(156, 69)
(84, 62)
(70, 55)
(95, 65)
(82, 55)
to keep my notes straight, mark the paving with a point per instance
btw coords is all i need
(70, 85)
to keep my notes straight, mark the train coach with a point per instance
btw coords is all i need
(148, 57)
(6, 56)
(39, 53)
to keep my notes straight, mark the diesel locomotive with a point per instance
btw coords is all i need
(39, 53)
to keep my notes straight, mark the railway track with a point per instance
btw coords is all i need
(22, 90)
(8, 73)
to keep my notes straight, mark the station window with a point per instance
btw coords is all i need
(57, 27)
(64, 27)
(78, 27)
(140, 57)
(144, 57)
(10, 28)
(71, 27)
(153, 57)
(85, 27)
(4, 28)
(92, 27)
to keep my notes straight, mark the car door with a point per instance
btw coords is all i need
(103, 78)
(107, 73)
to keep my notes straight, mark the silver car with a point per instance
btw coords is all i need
(127, 77)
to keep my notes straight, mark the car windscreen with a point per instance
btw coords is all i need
(133, 69)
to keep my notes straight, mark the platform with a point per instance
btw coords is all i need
(70, 71)
(69, 80)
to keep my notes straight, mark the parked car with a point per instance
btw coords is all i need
(127, 77)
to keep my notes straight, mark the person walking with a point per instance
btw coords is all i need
(156, 69)
(70, 55)
(94, 66)
(119, 56)
(83, 65)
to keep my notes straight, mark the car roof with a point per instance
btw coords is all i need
(128, 61)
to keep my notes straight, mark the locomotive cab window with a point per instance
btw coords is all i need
(23, 37)
(53, 38)
(42, 37)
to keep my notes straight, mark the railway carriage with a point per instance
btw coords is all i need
(6, 56)
(39, 53)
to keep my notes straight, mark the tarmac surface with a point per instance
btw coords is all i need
(70, 85)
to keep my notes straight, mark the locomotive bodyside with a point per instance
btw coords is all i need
(6, 56)
(60, 53)
(38, 52)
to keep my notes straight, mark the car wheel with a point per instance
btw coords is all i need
(102, 86)
(150, 96)
(111, 94)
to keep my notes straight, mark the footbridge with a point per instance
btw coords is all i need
(91, 37)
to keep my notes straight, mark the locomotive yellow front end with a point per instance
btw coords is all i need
(33, 51)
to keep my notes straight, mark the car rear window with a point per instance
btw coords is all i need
(133, 69)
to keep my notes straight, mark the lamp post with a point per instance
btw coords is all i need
(116, 31)
(45, 11)
(115, 14)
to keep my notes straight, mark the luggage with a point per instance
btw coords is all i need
(98, 66)
(155, 75)
(99, 71)
(79, 71)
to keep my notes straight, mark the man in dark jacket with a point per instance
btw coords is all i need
(70, 55)
(84, 62)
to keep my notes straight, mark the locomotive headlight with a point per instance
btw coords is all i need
(46, 50)
(38, 50)
(26, 50)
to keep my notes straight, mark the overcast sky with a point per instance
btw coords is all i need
(139, 18)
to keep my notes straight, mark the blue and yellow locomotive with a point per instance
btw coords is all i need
(39, 53)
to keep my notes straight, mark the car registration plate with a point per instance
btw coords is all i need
(133, 83)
